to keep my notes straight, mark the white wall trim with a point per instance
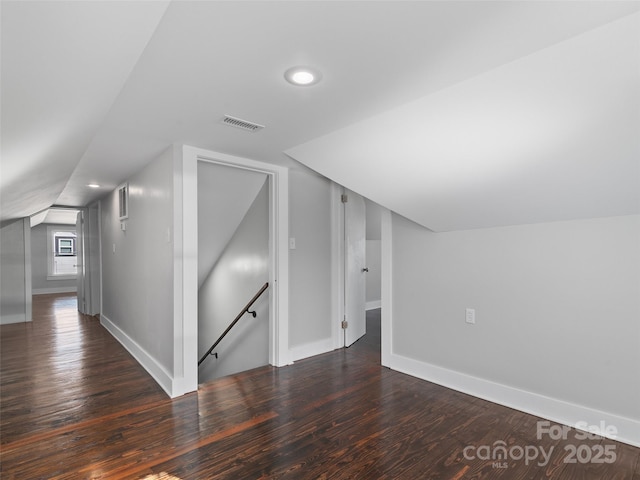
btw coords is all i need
(100, 254)
(53, 278)
(279, 354)
(157, 371)
(539, 405)
(44, 291)
(311, 349)
(185, 259)
(386, 285)
(14, 318)
(373, 304)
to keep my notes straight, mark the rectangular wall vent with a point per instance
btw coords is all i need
(123, 201)
(243, 124)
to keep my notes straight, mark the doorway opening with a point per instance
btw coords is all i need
(186, 358)
(233, 265)
(358, 230)
(65, 254)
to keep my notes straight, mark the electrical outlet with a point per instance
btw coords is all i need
(470, 316)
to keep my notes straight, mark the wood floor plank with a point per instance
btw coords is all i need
(75, 405)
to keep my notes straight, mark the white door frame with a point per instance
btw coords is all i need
(386, 291)
(94, 213)
(337, 265)
(338, 262)
(83, 281)
(337, 277)
(186, 263)
(89, 241)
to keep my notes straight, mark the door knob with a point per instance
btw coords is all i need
(365, 269)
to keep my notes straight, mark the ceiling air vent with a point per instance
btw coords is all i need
(243, 124)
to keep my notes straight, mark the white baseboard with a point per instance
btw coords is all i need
(44, 291)
(311, 349)
(373, 304)
(15, 318)
(157, 371)
(561, 412)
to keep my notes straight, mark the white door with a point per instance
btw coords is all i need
(80, 234)
(355, 267)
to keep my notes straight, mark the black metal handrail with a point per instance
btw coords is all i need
(231, 325)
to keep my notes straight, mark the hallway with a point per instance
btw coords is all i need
(76, 405)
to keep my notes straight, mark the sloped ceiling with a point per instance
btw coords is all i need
(551, 136)
(421, 108)
(63, 65)
(57, 216)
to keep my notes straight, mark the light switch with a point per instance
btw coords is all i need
(292, 243)
(471, 316)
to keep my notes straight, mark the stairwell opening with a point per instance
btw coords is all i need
(233, 264)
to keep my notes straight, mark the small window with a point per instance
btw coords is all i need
(65, 246)
(61, 253)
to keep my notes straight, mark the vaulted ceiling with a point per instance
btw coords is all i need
(454, 114)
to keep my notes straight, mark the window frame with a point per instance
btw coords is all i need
(59, 247)
(54, 235)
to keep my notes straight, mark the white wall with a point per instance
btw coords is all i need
(39, 263)
(374, 212)
(557, 311)
(310, 299)
(224, 197)
(237, 276)
(137, 268)
(15, 271)
(374, 276)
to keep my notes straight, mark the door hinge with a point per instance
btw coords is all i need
(344, 198)
(345, 324)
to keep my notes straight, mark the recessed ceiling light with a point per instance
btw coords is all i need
(93, 185)
(302, 76)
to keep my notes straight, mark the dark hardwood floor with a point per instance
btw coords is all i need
(75, 405)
